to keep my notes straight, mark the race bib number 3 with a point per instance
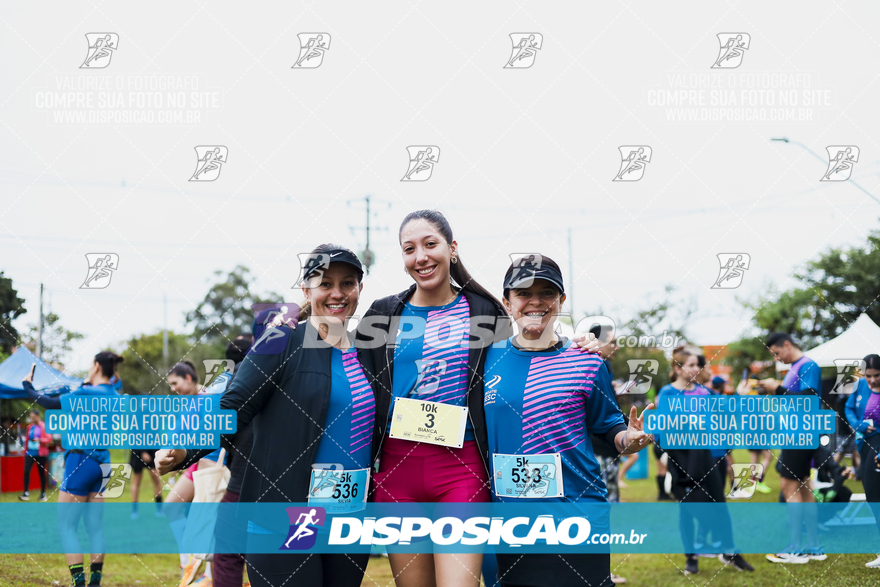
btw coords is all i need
(339, 491)
(430, 422)
(529, 476)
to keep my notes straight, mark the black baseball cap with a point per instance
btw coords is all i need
(525, 270)
(316, 262)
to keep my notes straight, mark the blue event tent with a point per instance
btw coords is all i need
(47, 379)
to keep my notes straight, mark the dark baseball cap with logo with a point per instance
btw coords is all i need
(523, 272)
(318, 262)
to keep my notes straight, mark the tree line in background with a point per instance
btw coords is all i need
(830, 292)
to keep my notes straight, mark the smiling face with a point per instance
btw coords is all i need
(534, 308)
(182, 385)
(426, 254)
(687, 372)
(334, 295)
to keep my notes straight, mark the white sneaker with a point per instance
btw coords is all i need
(874, 564)
(788, 557)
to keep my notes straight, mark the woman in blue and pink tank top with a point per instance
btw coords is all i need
(863, 415)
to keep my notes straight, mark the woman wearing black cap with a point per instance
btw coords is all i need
(550, 399)
(312, 410)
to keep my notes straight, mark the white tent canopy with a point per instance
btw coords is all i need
(860, 339)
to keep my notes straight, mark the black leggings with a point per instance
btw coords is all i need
(870, 474)
(708, 489)
(41, 467)
(306, 570)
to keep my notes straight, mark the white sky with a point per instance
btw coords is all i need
(525, 153)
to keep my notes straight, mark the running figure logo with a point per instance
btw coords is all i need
(745, 479)
(641, 374)
(840, 162)
(632, 162)
(430, 372)
(313, 265)
(326, 478)
(525, 48)
(115, 476)
(421, 162)
(215, 368)
(311, 50)
(101, 268)
(303, 527)
(733, 267)
(849, 371)
(210, 160)
(101, 49)
(525, 265)
(733, 47)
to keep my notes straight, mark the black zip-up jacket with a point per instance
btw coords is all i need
(489, 323)
(286, 396)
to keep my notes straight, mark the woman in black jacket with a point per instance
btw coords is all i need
(312, 410)
(427, 346)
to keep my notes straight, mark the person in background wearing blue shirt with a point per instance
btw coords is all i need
(863, 415)
(547, 398)
(83, 476)
(804, 377)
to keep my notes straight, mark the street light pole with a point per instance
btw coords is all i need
(824, 162)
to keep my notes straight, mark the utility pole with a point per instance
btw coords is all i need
(165, 331)
(40, 327)
(571, 279)
(367, 257)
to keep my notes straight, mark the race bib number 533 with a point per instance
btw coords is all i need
(528, 476)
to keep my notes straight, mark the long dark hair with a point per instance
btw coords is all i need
(456, 270)
(305, 310)
(185, 369)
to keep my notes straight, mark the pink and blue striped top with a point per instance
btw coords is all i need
(431, 355)
(348, 427)
(550, 402)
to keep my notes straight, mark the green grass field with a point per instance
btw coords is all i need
(639, 569)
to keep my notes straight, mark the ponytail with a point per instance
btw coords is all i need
(457, 271)
(108, 361)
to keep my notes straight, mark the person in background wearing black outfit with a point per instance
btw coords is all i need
(139, 460)
(36, 451)
(229, 567)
